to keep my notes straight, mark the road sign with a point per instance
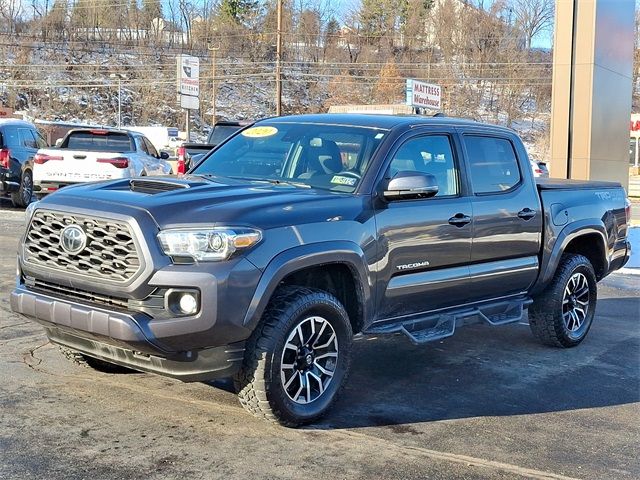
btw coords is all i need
(189, 102)
(424, 95)
(188, 81)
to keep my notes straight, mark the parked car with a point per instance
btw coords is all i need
(88, 155)
(301, 231)
(189, 154)
(539, 169)
(19, 142)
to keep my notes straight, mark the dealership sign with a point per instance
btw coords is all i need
(188, 80)
(424, 95)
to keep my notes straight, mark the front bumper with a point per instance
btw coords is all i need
(217, 362)
(119, 337)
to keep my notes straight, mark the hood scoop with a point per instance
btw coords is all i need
(155, 186)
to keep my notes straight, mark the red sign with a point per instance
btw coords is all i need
(6, 112)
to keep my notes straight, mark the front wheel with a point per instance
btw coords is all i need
(561, 316)
(297, 359)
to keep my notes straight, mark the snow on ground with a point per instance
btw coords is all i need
(633, 266)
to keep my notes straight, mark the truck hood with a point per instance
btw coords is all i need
(185, 201)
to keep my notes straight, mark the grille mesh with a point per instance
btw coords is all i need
(110, 252)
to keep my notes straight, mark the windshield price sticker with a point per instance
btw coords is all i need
(260, 132)
(340, 180)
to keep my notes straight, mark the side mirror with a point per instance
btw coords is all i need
(164, 155)
(408, 184)
(58, 142)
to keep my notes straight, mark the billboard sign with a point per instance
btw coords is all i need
(424, 95)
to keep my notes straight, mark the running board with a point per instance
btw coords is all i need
(430, 328)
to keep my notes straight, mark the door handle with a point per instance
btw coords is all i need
(526, 214)
(459, 220)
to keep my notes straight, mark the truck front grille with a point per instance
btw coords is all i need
(109, 253)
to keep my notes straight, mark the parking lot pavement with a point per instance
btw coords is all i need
(487, 403)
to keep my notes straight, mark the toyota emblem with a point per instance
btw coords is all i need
(73, 239)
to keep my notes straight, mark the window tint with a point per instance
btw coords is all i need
(493, 164)
(221, 132)
(27, 139)
(150, 148)
(99, 142)
(40, 141)
(430, 154)
(11, 138)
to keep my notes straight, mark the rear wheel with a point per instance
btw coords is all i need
(22, 197)
(297, 359)
(562, 315)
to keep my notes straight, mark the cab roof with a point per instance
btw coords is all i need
(381, 121)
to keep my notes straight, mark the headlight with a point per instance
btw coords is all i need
(207, 244)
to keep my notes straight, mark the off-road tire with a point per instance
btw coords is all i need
(23, 196)
(87, 361)
(258, 383)
(546, 314)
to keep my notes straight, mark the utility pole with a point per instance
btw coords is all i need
(213, 51)
(279, 60)
(119, 76)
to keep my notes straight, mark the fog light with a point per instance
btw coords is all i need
(188, 303)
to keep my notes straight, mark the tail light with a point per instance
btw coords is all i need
(41, 158)
(182, 161)
(538, 171)
(118, 162)
(5, 155)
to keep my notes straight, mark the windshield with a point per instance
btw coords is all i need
(330, 157)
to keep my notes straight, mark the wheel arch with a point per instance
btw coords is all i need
(586, 238)
(336, 267)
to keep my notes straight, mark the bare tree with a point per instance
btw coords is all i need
(532, 17)
(11, 11)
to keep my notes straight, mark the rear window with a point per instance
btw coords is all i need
(493, 162)
(99, 142)
(221, 132)
(10, 137)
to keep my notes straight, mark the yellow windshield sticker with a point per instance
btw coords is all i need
(259, 132)
(340, 180)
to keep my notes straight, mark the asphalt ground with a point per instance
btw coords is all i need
(486, 403)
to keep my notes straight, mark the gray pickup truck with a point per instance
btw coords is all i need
(298, 233)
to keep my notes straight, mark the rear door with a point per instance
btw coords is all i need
(153, 158)
(507, 217)
(425, 244)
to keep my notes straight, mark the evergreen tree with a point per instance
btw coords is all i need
(237, 10)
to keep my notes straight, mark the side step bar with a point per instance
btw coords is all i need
(430, 328)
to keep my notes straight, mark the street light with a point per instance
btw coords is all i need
(120, 77)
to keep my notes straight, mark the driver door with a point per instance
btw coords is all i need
(425, 244)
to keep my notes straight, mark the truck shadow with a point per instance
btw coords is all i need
(485, 371)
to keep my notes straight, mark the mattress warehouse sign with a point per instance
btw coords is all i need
(424, 95)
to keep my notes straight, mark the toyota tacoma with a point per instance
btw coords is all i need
(299, 232)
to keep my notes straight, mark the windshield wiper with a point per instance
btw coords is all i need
(275, 181)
